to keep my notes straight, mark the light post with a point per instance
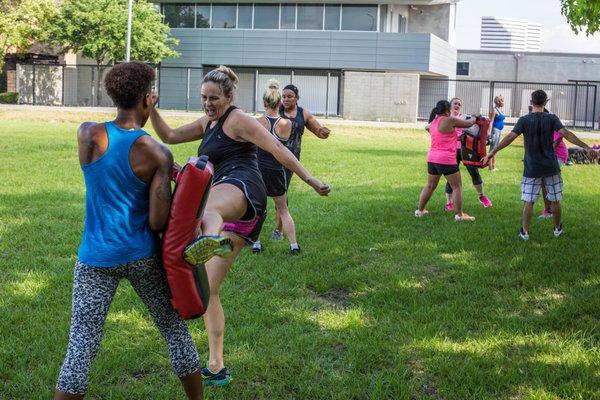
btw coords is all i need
(129, 15)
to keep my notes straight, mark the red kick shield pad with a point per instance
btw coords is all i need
(473, 143)
(188, 284)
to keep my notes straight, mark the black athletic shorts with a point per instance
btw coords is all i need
(288, 178)
(275, 181)
(441, 169)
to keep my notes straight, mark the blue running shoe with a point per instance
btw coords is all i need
(221, 378)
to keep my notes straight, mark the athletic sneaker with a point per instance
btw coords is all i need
(257, 247)
(483, 199)
(419, 213)
(523, 235)
(205, 247)
(277, 235)
(295, 250)
(221, 378)
(464, 217)
(545, 214)
(558, 232)
(449, 206)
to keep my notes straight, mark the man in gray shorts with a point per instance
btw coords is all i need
(541, 164)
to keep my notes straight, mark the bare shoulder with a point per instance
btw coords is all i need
(151, 149)
(306, 114)
(88, 129)
(285, 124)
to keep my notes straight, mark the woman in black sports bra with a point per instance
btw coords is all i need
(300, 118)
(272, 171)
(237, 200)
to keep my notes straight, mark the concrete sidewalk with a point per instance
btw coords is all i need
(333, 121)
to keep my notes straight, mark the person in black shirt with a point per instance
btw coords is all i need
(541, 164)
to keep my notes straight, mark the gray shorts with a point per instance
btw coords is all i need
(494, 138)
(530, 188)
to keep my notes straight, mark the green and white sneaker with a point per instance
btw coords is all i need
(206, 247)
(221, 378)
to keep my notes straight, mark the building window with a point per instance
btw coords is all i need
(179, 15)
(402, 23)
(244, 16)
(383, 11)
(288, 16)
(203, 16)
(359, 18)
(332, 17)
(310, 17)
(266, 16)
(223, 16)
(462, 68)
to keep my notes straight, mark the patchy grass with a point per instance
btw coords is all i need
(379, 305)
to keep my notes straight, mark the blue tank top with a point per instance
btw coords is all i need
(499, 119)
(116, 228)
(266, 159)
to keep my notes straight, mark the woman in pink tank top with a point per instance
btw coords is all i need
(441, 159)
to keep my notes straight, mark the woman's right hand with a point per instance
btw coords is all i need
(321, 188)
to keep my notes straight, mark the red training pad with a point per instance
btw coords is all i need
(474, 142)
(188, 284)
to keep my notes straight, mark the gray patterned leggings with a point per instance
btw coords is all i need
(93, 291)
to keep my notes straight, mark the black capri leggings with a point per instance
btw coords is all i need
(473, 171)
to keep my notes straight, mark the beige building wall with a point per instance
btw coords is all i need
(381, 96)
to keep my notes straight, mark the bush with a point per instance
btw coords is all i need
(9, 98)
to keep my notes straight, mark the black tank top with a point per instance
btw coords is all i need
(298, 124)
(266, 159)
(230, 158)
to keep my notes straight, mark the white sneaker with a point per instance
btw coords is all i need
(257, 247)
(558, 232)
(419, 213)
(523, 235)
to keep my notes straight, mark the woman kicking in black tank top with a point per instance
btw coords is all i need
(300, 118)
(237, 200)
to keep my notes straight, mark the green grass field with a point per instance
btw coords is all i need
(380, 305)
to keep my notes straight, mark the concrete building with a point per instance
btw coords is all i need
(510, 34)
(358, 59)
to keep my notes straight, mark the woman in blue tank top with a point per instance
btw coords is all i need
(497, 117)
(128, 195)
(236, 204)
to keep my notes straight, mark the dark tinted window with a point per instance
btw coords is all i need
(288, 16)
(223, 15)
(359, 18)
(266, 16)
(179, 15)
(310, 16)
(203, 16)
(332, 17)
(462, 68)
(245, 16)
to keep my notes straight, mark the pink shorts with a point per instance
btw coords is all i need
(247, 230)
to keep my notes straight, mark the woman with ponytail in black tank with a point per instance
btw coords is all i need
(237, 200)
(300, 118)
(273, 173)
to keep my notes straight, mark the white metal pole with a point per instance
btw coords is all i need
(128, 48)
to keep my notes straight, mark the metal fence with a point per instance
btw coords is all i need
(576, 103)
(178, 87)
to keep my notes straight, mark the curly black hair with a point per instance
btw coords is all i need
(127, 83)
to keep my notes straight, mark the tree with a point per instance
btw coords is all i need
(23, 22)
(97, 29)
(582, 15)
